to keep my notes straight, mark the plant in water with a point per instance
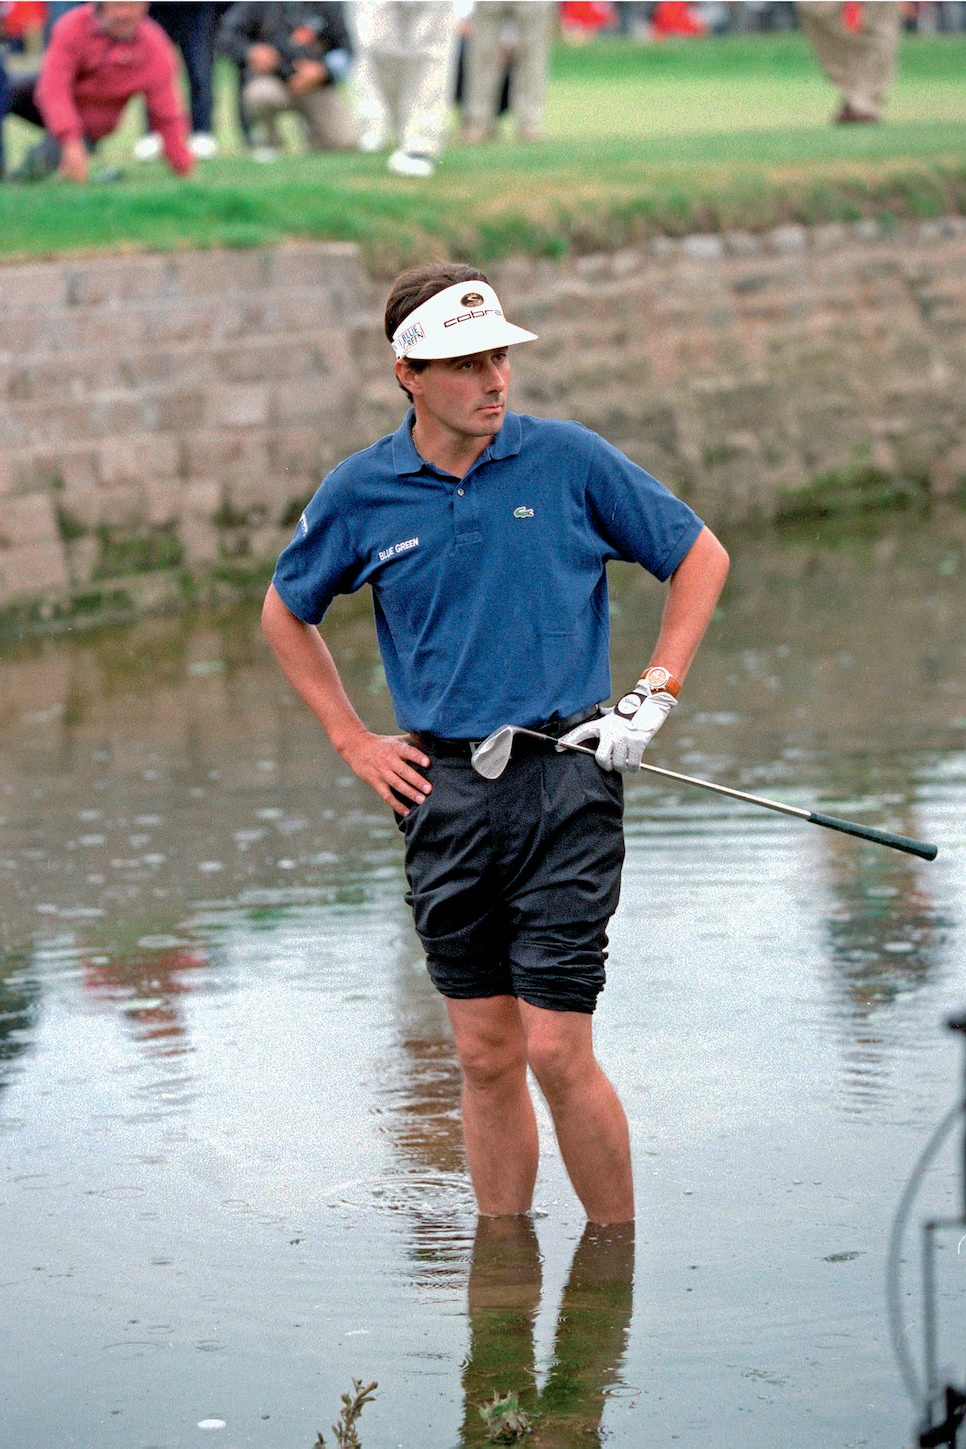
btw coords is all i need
(352, 1406)
(505, 1421)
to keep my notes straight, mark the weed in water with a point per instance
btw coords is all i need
(506, 1422)
(352, 1406)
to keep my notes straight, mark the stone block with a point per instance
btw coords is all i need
(948, 474)
(27, 519)
(77, 468)
(333, 267)
(67, 376)
(291, 310)
(138, 458)
(81, 509)
(101, 281)
(124, 505)
(175, 409)
(201, 498)
(260, 359)
(787, 239)
(164, 501)
(82, 556)
(28, 290)
(189, 320)
(32, 569)
(208, 274)
(297, 449)
(111, 414)
(703, 247)
(830, 237)
(178, 364)
(200, 541)
(322, 397)
(257, 502)
(266, 543)
(237, 405)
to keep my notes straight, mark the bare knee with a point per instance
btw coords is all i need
(490, 1043)
(557, 1066)
(492, 1066)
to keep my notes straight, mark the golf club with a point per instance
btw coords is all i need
(491, 757)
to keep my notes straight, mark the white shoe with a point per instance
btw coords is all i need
(148, 148)
(265, 153)
(404, 163)
(203, 145)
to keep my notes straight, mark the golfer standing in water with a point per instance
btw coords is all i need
(484, 536)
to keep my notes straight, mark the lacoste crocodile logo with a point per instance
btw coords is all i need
(523, 512)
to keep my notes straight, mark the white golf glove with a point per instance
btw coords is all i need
(624, 732)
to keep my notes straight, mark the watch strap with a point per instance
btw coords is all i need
(656, 680)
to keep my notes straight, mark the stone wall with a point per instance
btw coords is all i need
(164, 418)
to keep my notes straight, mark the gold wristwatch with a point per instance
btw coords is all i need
(653, 681)
(656, 679)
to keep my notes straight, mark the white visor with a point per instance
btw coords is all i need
(461, 320)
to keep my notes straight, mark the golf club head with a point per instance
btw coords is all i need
(491, 758)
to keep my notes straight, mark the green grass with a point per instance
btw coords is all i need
(699, 135)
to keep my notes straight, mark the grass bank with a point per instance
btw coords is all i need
(707, 135)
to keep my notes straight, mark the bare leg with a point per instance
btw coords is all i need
(499, 1124)
(587, 1114)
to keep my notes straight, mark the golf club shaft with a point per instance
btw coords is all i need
(814, 817)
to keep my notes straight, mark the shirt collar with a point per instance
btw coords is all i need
(406, 459)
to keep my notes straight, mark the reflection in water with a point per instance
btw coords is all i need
(885, 936)
(420, 1110)
(182, 854)
(147, 984)
(19, 1011)
(590, 1339)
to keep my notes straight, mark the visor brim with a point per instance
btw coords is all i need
(470, 338)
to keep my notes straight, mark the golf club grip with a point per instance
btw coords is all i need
(881, 837)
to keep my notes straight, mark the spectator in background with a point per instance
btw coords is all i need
(856, 47)
(99, 56)
(22, 25)
(4, 107)
(405, 79)
(190, 26)
(294, 57)
(528, 22)
(581, 20)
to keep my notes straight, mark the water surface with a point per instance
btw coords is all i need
(231, 1176)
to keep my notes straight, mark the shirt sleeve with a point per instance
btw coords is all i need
(55, 87)
(239, 31)
(337, 63)
(641, 519)
(165, 112)
(321, 561)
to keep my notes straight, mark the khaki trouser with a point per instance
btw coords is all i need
(405, 71)
(860, 62)
(327, 122)
(484, 69)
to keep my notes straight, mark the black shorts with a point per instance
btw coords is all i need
(512, 881)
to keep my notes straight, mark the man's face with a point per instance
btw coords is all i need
(466, 395)
(121, 18)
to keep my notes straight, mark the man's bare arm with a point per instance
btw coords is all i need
(692, 595)
(382, 761)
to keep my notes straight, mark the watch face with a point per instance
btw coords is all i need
(657, 678)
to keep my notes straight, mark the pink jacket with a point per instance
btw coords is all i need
(87, 79)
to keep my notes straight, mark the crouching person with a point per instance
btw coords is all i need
(99, 56)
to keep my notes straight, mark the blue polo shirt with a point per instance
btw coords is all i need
(489, 591)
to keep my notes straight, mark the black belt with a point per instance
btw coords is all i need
(440, 749)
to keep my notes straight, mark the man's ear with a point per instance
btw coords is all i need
(407, 376)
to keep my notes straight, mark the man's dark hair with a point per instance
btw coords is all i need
(415, 286)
